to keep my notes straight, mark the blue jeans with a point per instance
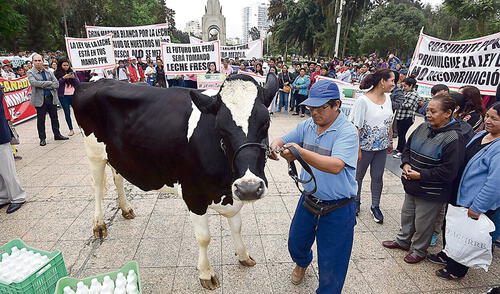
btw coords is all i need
(66, 102)
(334, 238)
(283, 101)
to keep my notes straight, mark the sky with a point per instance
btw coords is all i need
(187, 10)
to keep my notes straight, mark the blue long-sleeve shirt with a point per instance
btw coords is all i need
(303, 84)
(480, 180)
(392, 64)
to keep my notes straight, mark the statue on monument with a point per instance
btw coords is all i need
(213, 34)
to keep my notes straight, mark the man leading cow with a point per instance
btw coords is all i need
(328, 142)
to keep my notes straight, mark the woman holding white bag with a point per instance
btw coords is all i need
(478, 188)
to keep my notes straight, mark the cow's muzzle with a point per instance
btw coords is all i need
(249, 190)
(249, 187)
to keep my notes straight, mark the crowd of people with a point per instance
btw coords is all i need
(453, 157)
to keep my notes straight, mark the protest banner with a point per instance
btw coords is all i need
(189, 58)
(91, 53)
(194, 40)
(474, 62)
(17, 96)
(210, 81)
(250, 50)
(348, 93)
(140, 41)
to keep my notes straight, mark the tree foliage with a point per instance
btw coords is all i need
(12, 21)
(395, 32)
(478, 11)
(376, 25)
(39, 24)
(254, 33)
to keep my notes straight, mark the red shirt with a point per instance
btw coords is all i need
(134, 76)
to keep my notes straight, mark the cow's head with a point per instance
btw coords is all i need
(242, 117)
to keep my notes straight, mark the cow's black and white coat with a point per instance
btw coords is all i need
(155, 137)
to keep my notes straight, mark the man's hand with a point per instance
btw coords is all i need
(406, 170)
(274, 145)
(413, 175)
(472, 214)
(390, 149)
(287, 154)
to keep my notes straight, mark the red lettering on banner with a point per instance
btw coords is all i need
(16, 100)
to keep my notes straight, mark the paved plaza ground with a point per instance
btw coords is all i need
(60, 208)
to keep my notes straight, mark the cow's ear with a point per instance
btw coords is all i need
(205, 104)
(270, 89)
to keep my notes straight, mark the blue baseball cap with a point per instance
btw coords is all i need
(321, 92)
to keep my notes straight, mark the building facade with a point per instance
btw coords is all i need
(255, 16)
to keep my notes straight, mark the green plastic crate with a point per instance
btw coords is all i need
(68, 281)
(42, 281)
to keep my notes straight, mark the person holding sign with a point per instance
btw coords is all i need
(150, 73)
(44, 98)
(135, 71)
(160, 74)
(122, 71)
(67, 84)
(212, 69)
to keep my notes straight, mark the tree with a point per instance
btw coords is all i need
(178, 36)
(395, 32)
(43, 29)
(479, 11)
(254, 33)
(11, 23)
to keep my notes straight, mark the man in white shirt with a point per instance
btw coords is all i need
(346, 75)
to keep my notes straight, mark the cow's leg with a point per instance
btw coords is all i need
(123, 204)
(243, 255)
(208, 278)
(233, 214)
(97, 167)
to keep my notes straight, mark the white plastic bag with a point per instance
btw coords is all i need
(468, 241)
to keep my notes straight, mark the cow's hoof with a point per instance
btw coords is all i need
(100, 231)
(211, 284)
(128, 214)
(249, 262)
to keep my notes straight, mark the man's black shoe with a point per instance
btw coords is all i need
(43, 143)
(58, 138)
(14, 207)
(3, 205)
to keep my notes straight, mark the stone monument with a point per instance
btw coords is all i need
(213, 23)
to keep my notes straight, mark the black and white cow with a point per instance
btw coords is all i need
(208, 144)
